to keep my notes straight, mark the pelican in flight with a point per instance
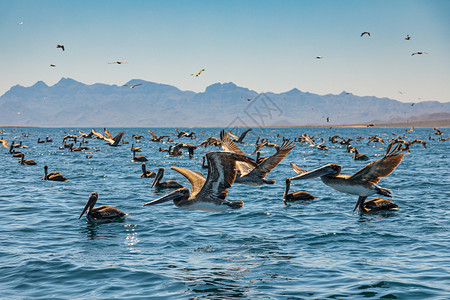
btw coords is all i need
(364, 182)
(295, 196)
(53, 66)
(407, 37)
(132, 86)
(102, 213)
(53, 176)
(419, 53)
(169, 184)
(250, 174)
(208, 194)
(60, 46)
(118, 62)
(319, 57)
(198, 74)
(365, 32)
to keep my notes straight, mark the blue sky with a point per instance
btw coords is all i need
(261, 45)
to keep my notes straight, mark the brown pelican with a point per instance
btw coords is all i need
(208, 194)
(185, 134)
(136, 149)
(242, 136)
(60, 46)
(364, 182)
(102, 213)
(198, 74)
(169, 184)
(40, 141)
(24, 161)
(358, 156)
(438, 132)
(319, 57)
(53, 176)
(249, 174)
(114, 142)
(138, 158)
(52, 65)
(146, 173)
(157, 138)
(5, 143)
(211, 141)
(118, 62)
(407, 37)
(375, 205)
(295, 196)
(48, 140)
(365, 32)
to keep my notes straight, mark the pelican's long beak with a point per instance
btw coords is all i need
(163, 199)
(91, 202)
(286, 189)
(322, 171)
(158, 177)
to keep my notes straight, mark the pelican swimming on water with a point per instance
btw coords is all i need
(208, 194)
(364, 182)
(100, 214)
(146, 173)
(53, 176)
(295, 196)
(171, 184)
(376, 205)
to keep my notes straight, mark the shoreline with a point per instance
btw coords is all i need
(419, 124)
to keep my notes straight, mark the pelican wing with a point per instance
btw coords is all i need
(108, 135)
(221, 174)
(97, 134)
(117, 138)
(380, 168)
(196, 179)
(272, 161)
(154, 135)
(242, 137)
(297, 169)
(228, 145)
(233, 136)
(5, 143)
(259, 147)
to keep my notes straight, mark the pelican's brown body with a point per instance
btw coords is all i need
(100, 214)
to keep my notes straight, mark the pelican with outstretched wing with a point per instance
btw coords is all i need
(208, 194)
(364, 182)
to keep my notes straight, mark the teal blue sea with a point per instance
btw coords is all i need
(312, 250)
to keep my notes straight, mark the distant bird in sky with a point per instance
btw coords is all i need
(20, 23)
(198, 74)
(319, 57)
(400, 92)
(52, 65)
(60, 46)
(132, 86)
(118, 62)
(407, 37)
(328, 119)
(419, 53)
(365, 32)
(248, 99)
(412, 104)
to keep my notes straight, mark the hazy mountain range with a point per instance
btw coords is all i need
(70, 103)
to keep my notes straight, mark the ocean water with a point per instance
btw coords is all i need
(318, 249)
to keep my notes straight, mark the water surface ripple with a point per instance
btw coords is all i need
(266, 250)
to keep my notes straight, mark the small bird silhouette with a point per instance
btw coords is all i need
(319, 57)
(419, 53)
(60, 46)
(248, 99)
(407, 37)
(118, 62)
(133, 86)
(52, 65)
(365, 32)
(198, 74)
